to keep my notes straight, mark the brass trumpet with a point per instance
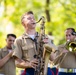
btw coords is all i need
(71, 46)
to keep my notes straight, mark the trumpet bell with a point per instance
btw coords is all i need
(72, 46)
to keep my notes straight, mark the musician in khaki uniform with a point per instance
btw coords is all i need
(7, 63)
(66, 58)
(26, 45)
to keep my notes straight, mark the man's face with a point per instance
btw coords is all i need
(10, 41)
(29, 21)
(69, 36)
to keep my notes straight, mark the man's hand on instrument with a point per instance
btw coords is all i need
(10, 53)
(45, 40)
(33, 63)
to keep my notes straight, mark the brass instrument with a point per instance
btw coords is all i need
(44, 50)
(43, 54)
(71, 46)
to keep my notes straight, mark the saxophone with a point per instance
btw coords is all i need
(43, 51)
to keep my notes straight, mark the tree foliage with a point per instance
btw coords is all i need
(62, 14)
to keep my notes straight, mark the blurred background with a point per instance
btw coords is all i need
(59, 15)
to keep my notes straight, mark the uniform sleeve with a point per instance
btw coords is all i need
(59, 55)
(17, 49)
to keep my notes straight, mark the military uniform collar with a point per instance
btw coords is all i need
(5, 48)
(25, 35)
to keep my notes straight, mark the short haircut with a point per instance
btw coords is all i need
(13, 35)
(27, 13)
(73, 30)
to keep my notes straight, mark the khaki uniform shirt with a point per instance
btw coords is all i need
(9, 67)
(65, 60)
(25, 48)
